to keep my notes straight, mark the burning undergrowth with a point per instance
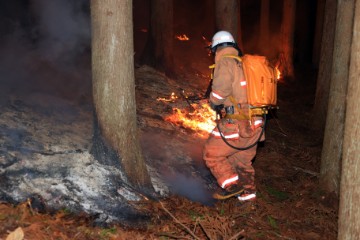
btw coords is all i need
(198, 117)
(182, 106)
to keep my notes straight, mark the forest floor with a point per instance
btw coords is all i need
(290, 204)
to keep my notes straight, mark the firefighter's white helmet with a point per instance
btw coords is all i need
(222, 38)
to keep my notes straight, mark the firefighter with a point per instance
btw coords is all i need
(230, 166)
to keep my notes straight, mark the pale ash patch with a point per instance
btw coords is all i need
(159, 185)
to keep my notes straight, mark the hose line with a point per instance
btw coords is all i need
(244, 148)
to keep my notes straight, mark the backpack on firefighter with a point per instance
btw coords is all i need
(261, 85)
(261, 81)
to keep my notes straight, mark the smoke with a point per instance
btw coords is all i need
(179, 164)
(45, 47)
(189, 187)
(63, 28)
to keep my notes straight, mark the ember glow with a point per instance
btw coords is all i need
(172, 98)
(202, 120)
(207, 44)
(206, 41)
(183, 37)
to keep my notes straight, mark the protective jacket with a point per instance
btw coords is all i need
(229, 79)
(229, 165)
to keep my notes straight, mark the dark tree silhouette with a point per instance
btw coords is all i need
(334, 129)
(324, 75)
(158, 52)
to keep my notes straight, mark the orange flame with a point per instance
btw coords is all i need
(172, 98)
(278, 73)
(202, 120)
(183, 37)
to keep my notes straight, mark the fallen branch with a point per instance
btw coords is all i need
(280, 236)
(237, 235)
(169, 235)
(204, 230)
(176, 220)
(282, 133)
(315, 174)
(278, 124)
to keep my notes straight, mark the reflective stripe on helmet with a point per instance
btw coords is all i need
(222, 37)
(243, 83)
(229, 180)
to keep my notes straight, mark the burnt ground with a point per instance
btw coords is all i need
(290, 204)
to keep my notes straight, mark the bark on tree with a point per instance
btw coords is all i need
(239, 37)
(114, 85)
(264, 33)
(158, 52)
(324, 74)
(334, 129)
(287, 32)
(349, 211)
(318, 32)
(227, 17)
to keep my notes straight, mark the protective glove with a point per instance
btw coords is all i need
(216, 108)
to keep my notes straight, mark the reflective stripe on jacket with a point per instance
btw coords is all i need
(229, 136)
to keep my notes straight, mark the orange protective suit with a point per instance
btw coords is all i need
(229, 165)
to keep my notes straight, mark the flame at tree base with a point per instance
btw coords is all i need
(201, 121)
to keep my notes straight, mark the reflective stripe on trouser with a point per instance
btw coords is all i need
(229, 181)
(225, 162)
(247, 197)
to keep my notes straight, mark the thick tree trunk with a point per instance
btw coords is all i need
(324, 75)
(334, 130)
(318, 32)
(114, 84)
(288, 29)
(226, 15)
(158, 51)
(349, 212)
(264, 33)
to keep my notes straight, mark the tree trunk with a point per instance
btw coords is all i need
(318, 32)
(159, 48)
(334, 129)
(288, 29)
(324, 75)
(114, 84)
(239, 37)
(264, 33)
(226, 15)
(349, 213)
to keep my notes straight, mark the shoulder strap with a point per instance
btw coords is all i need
(232, 56)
